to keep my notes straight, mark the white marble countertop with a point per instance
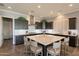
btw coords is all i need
(45, 39)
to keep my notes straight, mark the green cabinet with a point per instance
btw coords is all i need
(72, 41)
(21, 23)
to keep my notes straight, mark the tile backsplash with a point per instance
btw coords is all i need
(22, 32)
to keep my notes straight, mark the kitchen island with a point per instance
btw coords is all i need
(45, 40)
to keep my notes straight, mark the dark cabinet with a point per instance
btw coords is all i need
(48, 25)
(38, 25)
(21, 23)
(72, 23)
(72, 41)
(19, 39)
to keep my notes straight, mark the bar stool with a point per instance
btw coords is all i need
(55, 49)
(27, 44)
(66, 44)
(62, 46)
(35, 48)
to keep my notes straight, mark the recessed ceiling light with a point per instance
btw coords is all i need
(70, 5)
(38, 6)
(9, 7)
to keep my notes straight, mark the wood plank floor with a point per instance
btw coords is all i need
(9, 50)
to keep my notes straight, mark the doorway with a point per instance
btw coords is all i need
(7, 30)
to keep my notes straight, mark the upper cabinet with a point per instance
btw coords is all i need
(49, 25)
(44, 25)
(72, 23)
(21, 23)
(38, 25)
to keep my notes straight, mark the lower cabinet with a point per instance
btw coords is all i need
(19, 39)
(72, 41)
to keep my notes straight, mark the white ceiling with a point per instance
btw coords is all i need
(44, 10)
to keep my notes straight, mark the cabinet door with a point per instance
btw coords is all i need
(72, 23)
(21, 24)
(72, 41)
(19, 39)
(38, 25)
(49, 25)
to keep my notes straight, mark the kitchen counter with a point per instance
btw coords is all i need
(20, 38)
(64, 35)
